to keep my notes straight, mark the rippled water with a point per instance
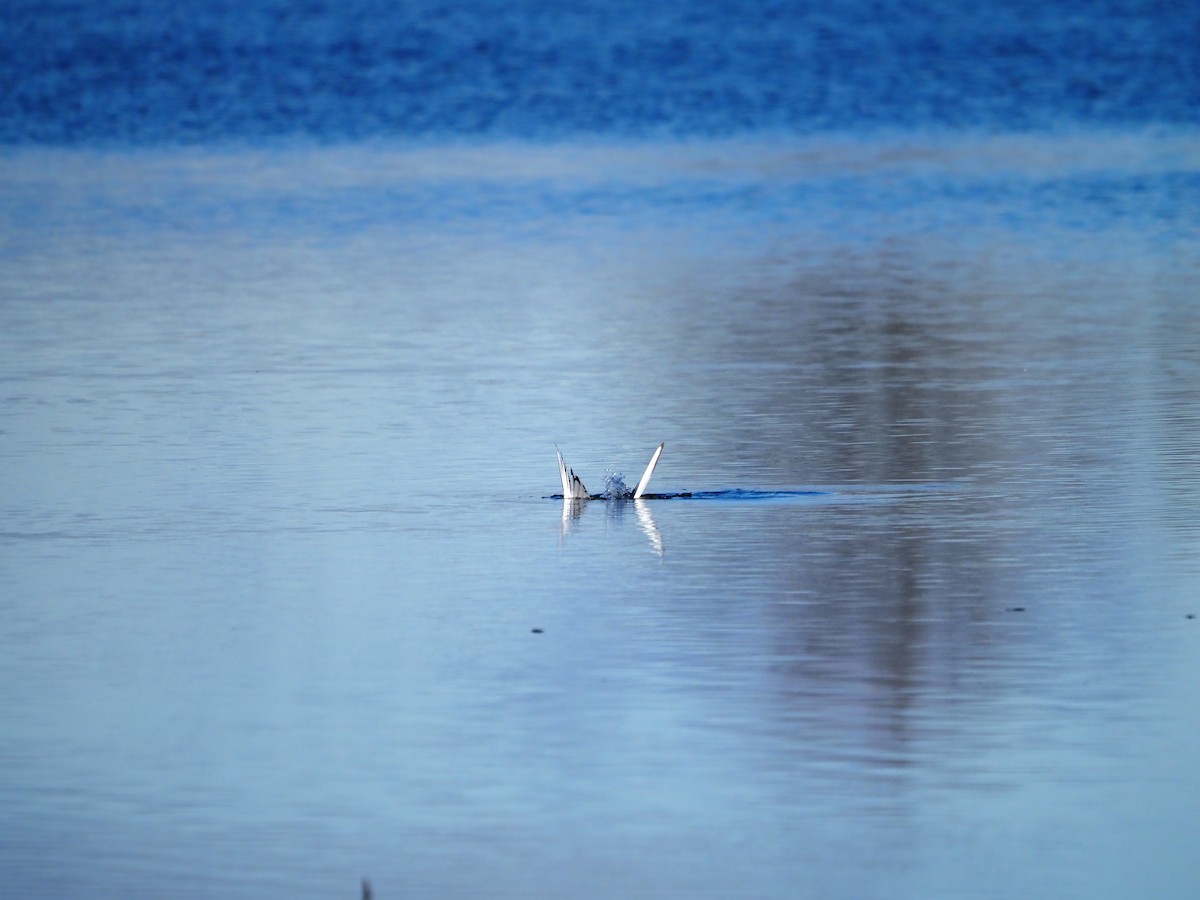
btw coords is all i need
(286, 604)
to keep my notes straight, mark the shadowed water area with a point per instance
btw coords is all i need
(288, 600)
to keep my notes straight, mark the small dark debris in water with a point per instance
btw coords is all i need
(1191, 615)
(366, 889)
(537, 631)
(1015, 609)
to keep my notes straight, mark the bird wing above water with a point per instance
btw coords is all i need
(645, 482)
(572, 484)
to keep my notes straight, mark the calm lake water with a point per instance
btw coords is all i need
(286, 603)
(296, 300)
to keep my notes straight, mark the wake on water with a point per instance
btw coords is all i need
(615, 489)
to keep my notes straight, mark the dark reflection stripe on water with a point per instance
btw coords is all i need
(731, 494)
(573, 508)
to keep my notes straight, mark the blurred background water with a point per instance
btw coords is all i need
(118, 70)
(296, 300)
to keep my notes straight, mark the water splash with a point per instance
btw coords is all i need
(615, 487)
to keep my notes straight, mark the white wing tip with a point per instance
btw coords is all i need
(645, 481)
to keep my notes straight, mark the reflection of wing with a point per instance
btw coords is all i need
(646, 523)
(645, 482)
(572, 510)
(572, 485)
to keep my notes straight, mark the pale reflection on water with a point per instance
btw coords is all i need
(286, 603)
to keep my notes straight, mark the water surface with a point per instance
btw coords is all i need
(285, 604)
